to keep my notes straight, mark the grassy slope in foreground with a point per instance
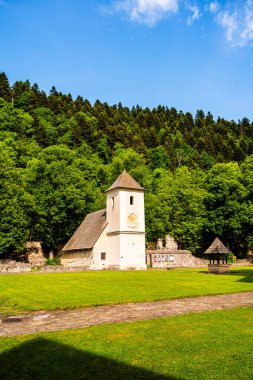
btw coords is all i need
(72, 290)
(214, 345)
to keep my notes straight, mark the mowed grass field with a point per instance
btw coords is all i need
(53, 291)
(213, 345)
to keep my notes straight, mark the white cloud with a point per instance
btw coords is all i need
(234, 16)
(214, 6)
(246, 35)
(228, 22)
(147, 12)
(195, 14)
(238, 24)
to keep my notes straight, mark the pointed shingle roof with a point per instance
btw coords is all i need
(217, 247)
(88, 232)
(125, 181)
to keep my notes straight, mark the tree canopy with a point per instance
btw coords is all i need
(58, 155)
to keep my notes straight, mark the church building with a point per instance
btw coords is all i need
(113, 238)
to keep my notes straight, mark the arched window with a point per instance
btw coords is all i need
(131, 200)
(112, 202)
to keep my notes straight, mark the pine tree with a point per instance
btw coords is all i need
(5, 89)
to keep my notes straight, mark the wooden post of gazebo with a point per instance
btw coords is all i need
(218, 257)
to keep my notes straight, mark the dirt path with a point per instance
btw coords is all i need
(79, 318)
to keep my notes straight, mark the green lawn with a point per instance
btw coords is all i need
(72, 290)
(213, 345)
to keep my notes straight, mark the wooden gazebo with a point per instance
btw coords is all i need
(218, 256)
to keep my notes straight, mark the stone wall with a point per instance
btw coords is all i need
(218, 268)
(242, 263)
(164, 258)
(60, 268)
(34, 253)
(11, 266)
(170, 242)
(82, 258)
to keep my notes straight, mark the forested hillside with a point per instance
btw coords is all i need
(58, 155)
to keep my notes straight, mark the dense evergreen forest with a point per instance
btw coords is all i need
(58, 155)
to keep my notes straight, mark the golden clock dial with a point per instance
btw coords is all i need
(132, 220)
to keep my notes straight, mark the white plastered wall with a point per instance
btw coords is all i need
(118, 208)
(99, 247)
(126, 241)
(132, 251)
(113, 251)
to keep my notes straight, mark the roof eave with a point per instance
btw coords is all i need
(124, 188)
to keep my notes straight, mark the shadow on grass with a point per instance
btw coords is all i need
(246, 273)
(45, 359)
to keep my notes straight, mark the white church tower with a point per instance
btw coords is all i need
(125, 224)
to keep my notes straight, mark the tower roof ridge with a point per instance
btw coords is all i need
(125, 181)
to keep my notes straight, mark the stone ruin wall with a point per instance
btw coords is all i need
(165, 254)
(243, 263)
(35, 253)
(32, 256)
(174, 259)
(169, 243)
(12, 266)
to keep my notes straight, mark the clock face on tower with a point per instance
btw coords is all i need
(132, 220)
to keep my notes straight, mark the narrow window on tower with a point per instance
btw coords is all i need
(131, 200)
(112, 202)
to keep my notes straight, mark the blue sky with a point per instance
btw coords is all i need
(187, 54)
